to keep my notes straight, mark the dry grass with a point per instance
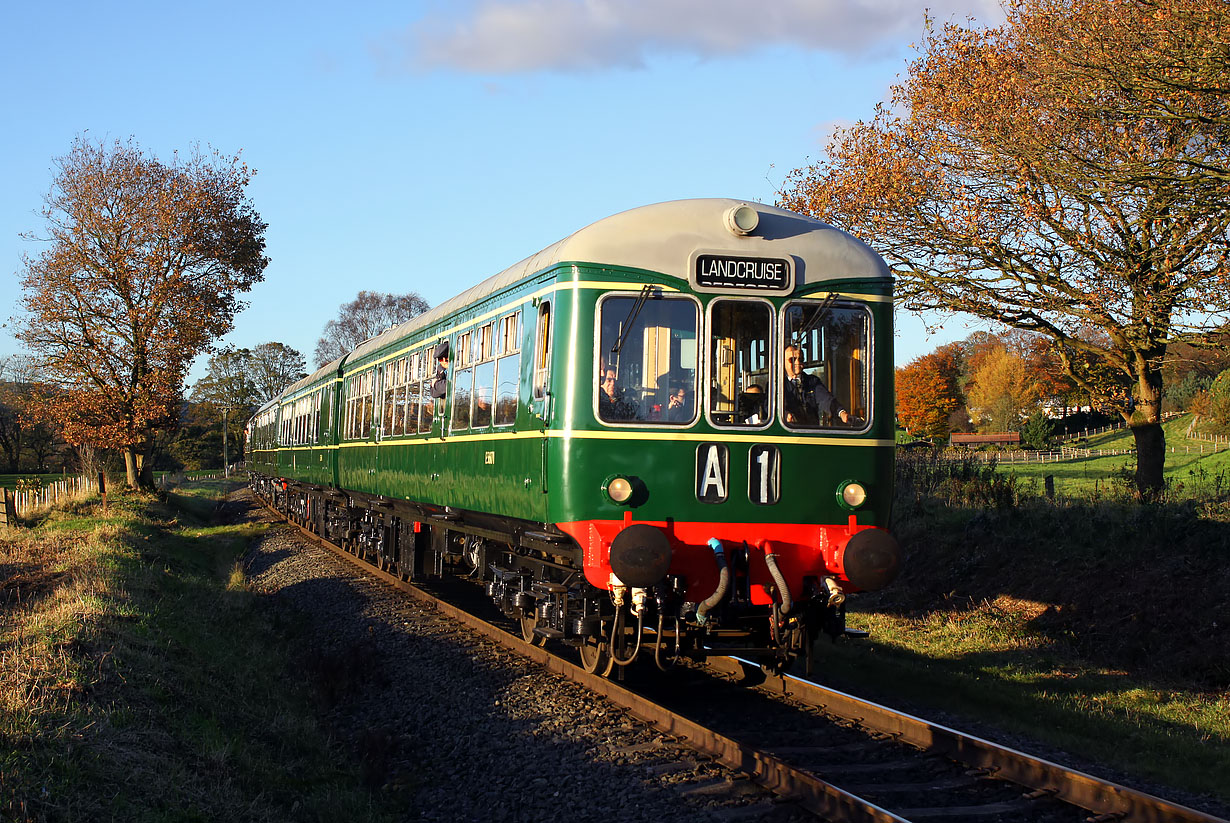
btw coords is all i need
(52, 593)
(140, 679)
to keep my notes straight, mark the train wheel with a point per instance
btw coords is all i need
(528, 624)
(594, 657)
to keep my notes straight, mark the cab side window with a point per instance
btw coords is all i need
(542, 351)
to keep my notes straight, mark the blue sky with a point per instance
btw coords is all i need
(423, 146)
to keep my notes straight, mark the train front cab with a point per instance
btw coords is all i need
(702, 484)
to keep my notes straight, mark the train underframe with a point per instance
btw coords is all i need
(534, 575)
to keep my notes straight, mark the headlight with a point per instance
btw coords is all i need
(851, 494)
(741, 220)
(619, 489)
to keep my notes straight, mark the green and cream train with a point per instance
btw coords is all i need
(670, 433)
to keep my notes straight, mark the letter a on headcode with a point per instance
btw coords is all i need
(712, 476)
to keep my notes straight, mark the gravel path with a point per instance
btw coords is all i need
(458, 729)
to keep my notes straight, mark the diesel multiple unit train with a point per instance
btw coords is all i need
(670, 433)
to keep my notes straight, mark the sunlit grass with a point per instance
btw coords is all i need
(1193, 467)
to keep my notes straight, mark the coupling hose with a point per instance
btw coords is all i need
(719, 594)
(770, 560)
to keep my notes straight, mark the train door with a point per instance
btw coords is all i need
(541, 397)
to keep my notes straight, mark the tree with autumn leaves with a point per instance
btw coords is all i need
(143, 265)
(1066, 173)
(928, 392)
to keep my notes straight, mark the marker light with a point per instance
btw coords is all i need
(742, 219)
(619, 490)
(851, 494)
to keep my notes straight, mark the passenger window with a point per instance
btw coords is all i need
(508, 369)
(461, 399)
(463, 381)
(389, 381)
(484, 380)
(427, 404)
(359, 405)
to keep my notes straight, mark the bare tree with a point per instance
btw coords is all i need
(362, 319)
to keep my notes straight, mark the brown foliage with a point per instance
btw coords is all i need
(1036, 180)
(1002, 391)
(927, 395)
(143, 263)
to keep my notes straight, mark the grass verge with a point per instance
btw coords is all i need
(141, 680)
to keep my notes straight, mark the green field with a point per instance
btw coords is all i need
(1193, 467)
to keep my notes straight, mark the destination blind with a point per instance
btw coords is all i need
(721, 271)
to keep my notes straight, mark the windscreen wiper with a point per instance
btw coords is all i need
(626, 326)
(821, 312)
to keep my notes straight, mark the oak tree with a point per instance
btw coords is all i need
(1064, 173)
(363, 318)
(143, 265)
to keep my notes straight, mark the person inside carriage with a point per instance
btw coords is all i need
(612, 405)
(807, 400)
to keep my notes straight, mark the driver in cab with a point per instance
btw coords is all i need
(807, 399)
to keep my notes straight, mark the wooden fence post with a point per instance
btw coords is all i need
(8, 512)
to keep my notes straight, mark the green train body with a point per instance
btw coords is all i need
(617, 440)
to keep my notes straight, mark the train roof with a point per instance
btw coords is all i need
(661, 238)
(327, 371)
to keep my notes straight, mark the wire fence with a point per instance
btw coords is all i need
(1073, 453)
(32, 494)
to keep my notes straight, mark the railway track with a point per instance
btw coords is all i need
(836, 755)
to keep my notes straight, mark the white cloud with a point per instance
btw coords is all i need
(509, 36)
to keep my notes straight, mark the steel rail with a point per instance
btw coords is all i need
(1107, 799)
